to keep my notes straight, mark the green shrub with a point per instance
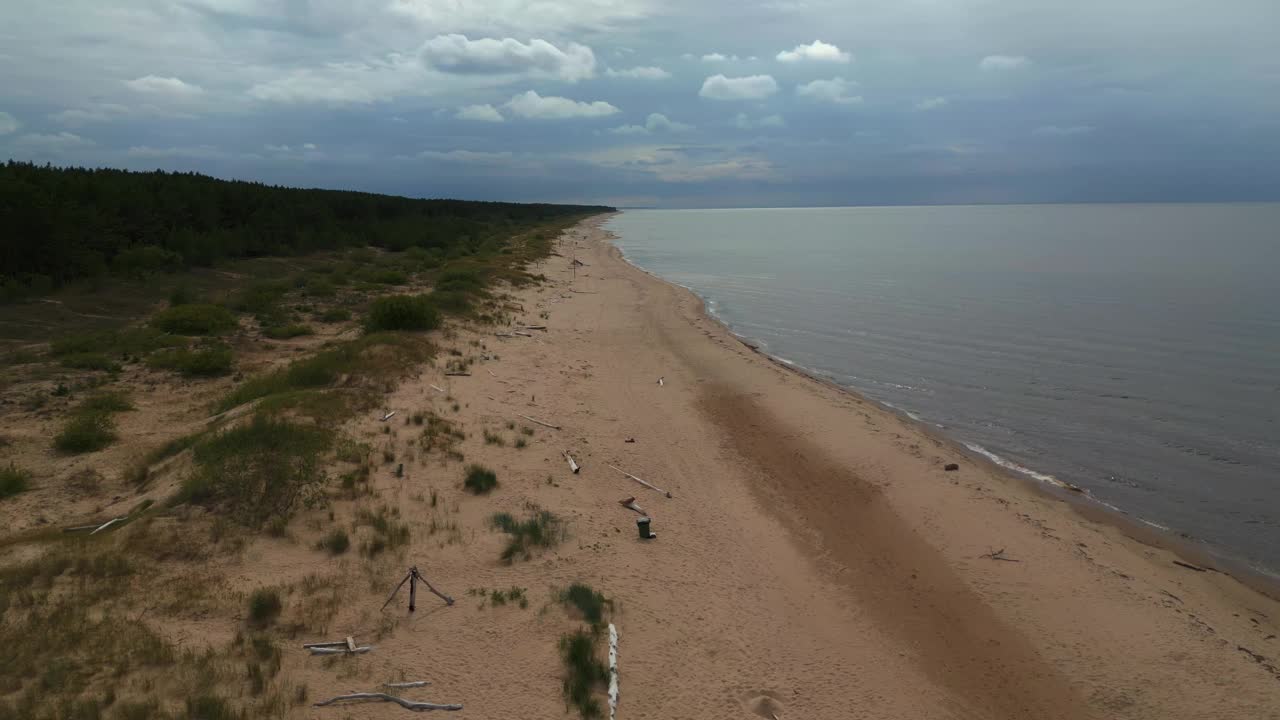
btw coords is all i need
(195, 320)
(130, 341)
(384, 277)
(13, 480)
(541, 529)
(590, 603)
(84, 433)
(480, 480)
(181, 295)
(264, 606)
(210, 361)
(144, 259)
(333, 315)
(584, 673)
(335, 542)
(284, 332)
(402, 312)
(90, 361)
(105, 402)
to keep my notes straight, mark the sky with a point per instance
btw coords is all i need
(671, 103)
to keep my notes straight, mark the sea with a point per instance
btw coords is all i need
(1130, 350)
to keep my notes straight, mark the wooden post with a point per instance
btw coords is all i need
(413, 588)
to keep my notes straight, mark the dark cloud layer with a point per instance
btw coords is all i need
(781, 102)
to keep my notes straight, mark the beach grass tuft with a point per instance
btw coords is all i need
(541, 529)
(480, 480)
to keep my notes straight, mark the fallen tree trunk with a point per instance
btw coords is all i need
(343, 650)
(383, 697)
(573, 465)
(402, 685)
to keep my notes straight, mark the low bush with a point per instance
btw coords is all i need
(542, 529)
(13, 480)
(194, 320)
(86, 432)
(90, 361)
(335, 542)
(590, 603)
(209, 361)
(480, 480)
(284, 332)
(105, 402)
(334, 315)
(402, 312)
(264, 606)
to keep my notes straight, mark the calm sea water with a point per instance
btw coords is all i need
(1133, 350)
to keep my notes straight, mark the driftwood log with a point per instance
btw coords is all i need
(544, 424)
(340, 650)
(649, 485)
(383, 697)
(613, 671)
(403, 685)
(573, 465)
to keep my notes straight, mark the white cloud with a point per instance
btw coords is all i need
(482, 113)
(344, 83)
(932, 103)
(719, 57)
(655, 123)
(8, 123)
(817, 51)
(469, 157)
(753, 87)
(1061, 131)
(308, 146)
(202, 152)
(100, 112)
(532, 105)
(458, 54)
(1002, 62)
(835, 90)
(156, 85)
(639, 73)
(676, 165)
(51, 142)
(743, 121)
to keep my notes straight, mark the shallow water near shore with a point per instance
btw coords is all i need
(1132, 350)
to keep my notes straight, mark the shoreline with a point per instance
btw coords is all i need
(1197, 552)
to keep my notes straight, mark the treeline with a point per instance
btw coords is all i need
(62, 224)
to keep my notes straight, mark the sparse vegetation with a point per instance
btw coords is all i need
(264, 607)
(106, 402)
(285, 332)
(541, 529)
(335, 315)
(86, 432)
(590, 603)
(208, 361)
(402, 312)
(194, 320)
(13, 480)
(263, 469)
(521, 443)
(388, 532)
(480, 480)
(492, 438)
(584, 673)
(90, 361)
(336, 542)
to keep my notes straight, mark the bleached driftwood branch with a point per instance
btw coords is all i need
(630, 504)
(437, 388)
(342, 650)
(402, 685)
(573, 465)
(613, 671)
(388, 416)
(544, 424)
(107, 524)
(458, 373)
(647, 484)
(521, 334)
(383, 697)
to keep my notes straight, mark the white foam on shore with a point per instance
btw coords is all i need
(1011, 465)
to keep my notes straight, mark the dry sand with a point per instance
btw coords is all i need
(815, 561)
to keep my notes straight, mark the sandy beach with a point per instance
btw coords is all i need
(815, 560)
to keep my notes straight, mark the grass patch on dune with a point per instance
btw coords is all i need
(208, 361)
(402, 312)
(541, 529)
(106, 402)
(480, 480)
(584, 674)
(13, 480)
(591, 604)
(377, 356)
(388, 532)
(194, 320)
(85, 433)
(89, 361)
(286, 332)
(259, 471)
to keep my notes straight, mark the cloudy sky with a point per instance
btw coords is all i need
(661, 102)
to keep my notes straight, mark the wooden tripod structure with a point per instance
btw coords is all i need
(413, 577)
